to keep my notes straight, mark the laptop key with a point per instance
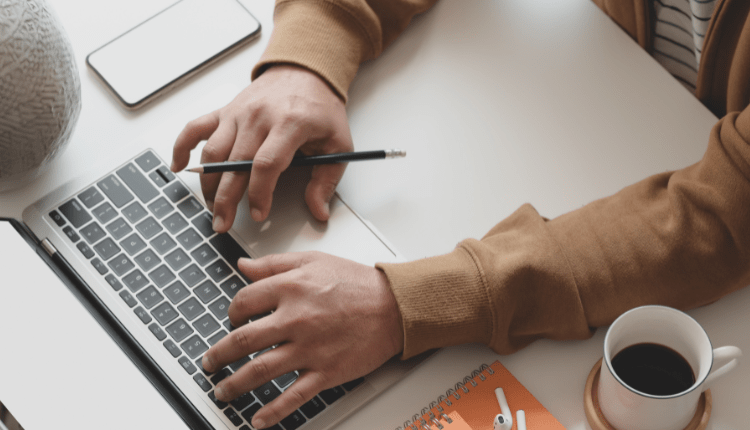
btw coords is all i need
(133, 244)
(142, 315)
(175, 223)
(147, 260)
(204, 254)
(213, 340)
(104, 213)
(113, 282)
(85, 250)
(157, 179)
(147, 161)
(176, 191)
(162, 276)
(191, 309)
(177, 292)
(202, 382)
(157, 332)
(116, 191)
(204, 224)
(249, 413)
(179, 330)
(172, 348)
(163, 243)
(119, 228)
(293, 421)
(239, 363)
(177, 259)
(206, 325)
(207, 291)
(267, 392)
(135, 280)
(128, 298)
(332, 394)
(149, 227)
(194, 346)
(150, 297)
(137, 183)
(121, 265)
(313, 407)
(160, 208)
(229, 249)
(99, 266)
(220, 376)
(92, 233)
(75, 213)
(190, 207)
(218, 271)
(286, 379)
(106, 249)
(72, 235)
(233, 416)
(164, 313)
(220, 308)
(134, 212)
(192, 275)
(243, 401)
(349, 386)
(57, 218)
(232, 285)
(165, 173)
(189, 239)
(91, 197)
(217, 402)
(187, 365)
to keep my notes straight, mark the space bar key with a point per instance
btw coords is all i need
(135, 180)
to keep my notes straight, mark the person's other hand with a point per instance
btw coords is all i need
(334, 321)
(284, 110)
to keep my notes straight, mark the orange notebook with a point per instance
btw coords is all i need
(472, 404)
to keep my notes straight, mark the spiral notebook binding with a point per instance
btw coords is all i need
(435, 410)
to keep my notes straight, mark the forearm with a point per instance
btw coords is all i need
(332, 37)
(679, 239)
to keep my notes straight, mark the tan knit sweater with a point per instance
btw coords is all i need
(680, 239)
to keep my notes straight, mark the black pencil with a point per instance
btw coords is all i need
(344, 157)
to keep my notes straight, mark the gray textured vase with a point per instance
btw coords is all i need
(40, 90)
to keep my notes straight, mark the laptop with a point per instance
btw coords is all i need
(133, 244)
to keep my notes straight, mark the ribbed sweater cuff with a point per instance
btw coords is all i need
(319, 36)
(442, 300)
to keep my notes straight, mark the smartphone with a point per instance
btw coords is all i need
(170, 47)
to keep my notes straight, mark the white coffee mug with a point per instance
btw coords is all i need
(626, 408)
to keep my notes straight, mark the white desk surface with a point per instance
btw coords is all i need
(498, 103)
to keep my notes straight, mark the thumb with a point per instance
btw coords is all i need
(320, 189)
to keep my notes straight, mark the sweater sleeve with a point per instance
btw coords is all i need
(332, 37)
(679, 239)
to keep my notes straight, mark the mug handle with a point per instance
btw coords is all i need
(728, 354)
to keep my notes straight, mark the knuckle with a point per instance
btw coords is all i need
(241, 340)
(210, 153)
(261, 369)
(266, 163)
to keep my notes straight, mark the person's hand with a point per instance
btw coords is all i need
(284, 110)
(334, 321)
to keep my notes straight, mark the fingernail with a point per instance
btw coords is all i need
(256, 214)
(219, 392)
(218, 223)
(259, 423)
(210, 205)
(171, 166)
(207, 363)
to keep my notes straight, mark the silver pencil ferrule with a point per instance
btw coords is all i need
(395, 153)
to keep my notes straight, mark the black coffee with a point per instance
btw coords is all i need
(653, 369)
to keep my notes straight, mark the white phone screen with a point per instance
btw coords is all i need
(174, 43)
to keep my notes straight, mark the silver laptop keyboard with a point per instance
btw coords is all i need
(153, 242)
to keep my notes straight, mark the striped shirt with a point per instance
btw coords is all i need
(678, 36)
